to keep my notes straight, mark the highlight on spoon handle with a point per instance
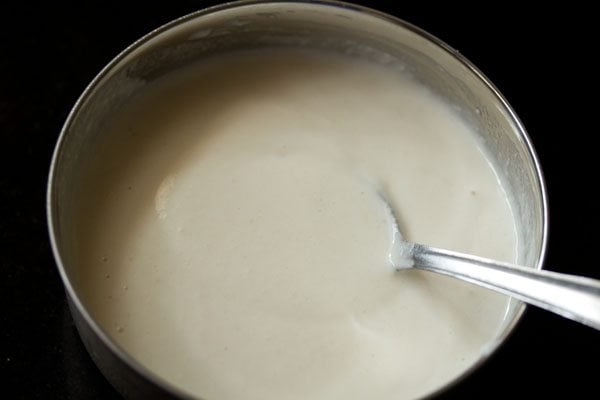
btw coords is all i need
(574, 297)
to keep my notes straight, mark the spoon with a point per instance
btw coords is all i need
(573, 297)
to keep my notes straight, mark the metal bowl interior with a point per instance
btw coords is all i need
(333, 26)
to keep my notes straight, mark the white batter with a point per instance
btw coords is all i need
(234, 240)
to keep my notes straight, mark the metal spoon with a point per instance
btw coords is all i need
(573, 297)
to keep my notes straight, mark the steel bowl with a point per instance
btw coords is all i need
(328, 25)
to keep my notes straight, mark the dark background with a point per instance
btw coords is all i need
(540, 58)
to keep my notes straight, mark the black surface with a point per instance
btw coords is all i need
(539, 59)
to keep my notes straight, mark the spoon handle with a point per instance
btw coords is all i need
(574, 297)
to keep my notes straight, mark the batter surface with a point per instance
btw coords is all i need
(234, 241)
